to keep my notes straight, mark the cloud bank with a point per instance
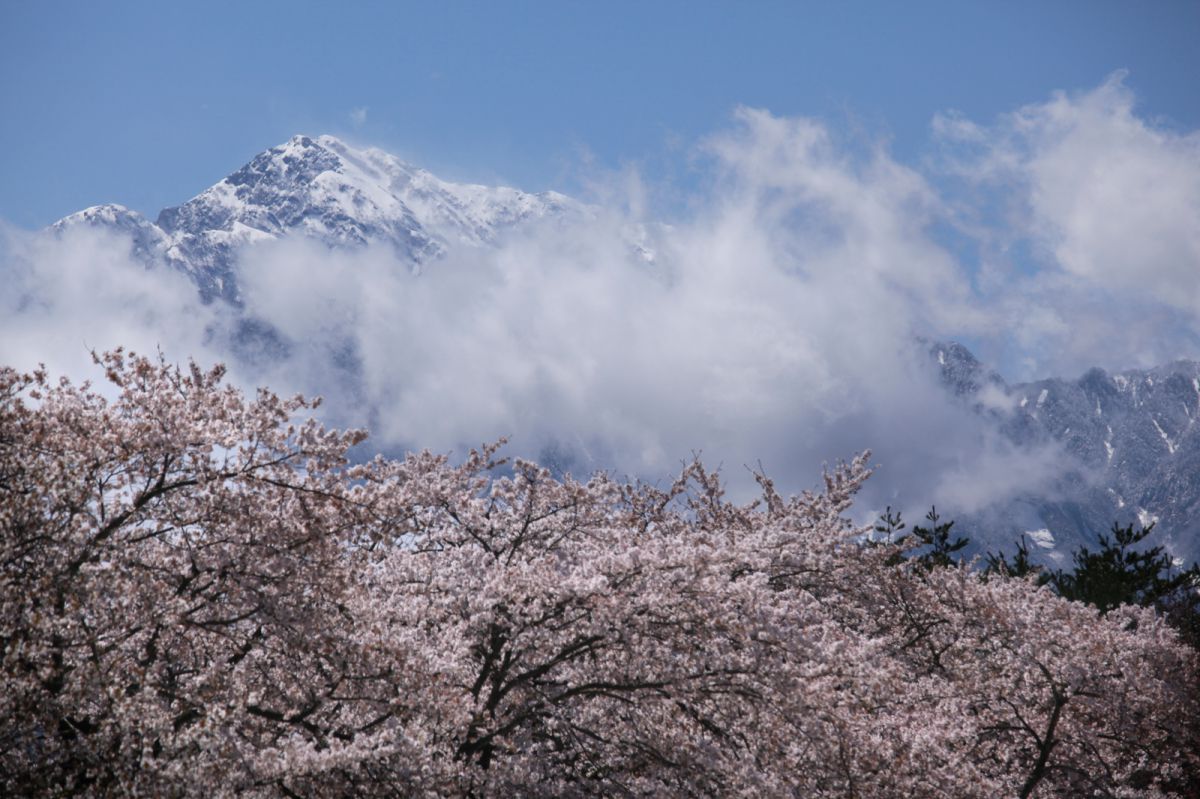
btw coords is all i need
(773, 323)
(64, 296)
(1092, 249)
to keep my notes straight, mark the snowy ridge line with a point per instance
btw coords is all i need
(323, 189)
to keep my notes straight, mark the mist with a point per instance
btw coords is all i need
(776, 323)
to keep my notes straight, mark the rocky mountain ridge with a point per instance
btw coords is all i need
(1132, 439)
(323, 189)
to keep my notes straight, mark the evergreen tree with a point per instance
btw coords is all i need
(1121, 573)
(928, 547)
(1020, 566)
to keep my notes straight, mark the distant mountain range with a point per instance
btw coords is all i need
(1132, 436)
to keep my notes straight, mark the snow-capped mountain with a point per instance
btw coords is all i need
(1131, 439)
(150, 243)
(321, 188)
(1132, 446)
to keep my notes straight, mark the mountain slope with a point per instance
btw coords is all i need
(326, 190)
(1132, 446)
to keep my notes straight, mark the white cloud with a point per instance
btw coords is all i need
(775, 322)
(65, 296)
(1116, 199)
(994, 471)
(1108, 204)
(358, 116)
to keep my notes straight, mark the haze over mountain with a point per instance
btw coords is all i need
(603, 340)
(1133, 440)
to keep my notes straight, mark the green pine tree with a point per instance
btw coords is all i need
(1021, 564)
(928, 547)
(1121, 573)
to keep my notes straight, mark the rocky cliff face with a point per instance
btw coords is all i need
(1133, 444)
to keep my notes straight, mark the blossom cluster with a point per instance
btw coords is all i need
(201, 596)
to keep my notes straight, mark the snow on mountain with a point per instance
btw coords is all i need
(1131, 441)
(326, 190)
(150, 243)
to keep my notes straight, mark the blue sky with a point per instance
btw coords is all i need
(839, 179)
(147, 103)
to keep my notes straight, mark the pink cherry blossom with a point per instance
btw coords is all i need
(201, 595)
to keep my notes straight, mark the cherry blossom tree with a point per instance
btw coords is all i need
(200, 595)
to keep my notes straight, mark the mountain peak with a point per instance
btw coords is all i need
(322, 188)
(103, 214)
(148, 244)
